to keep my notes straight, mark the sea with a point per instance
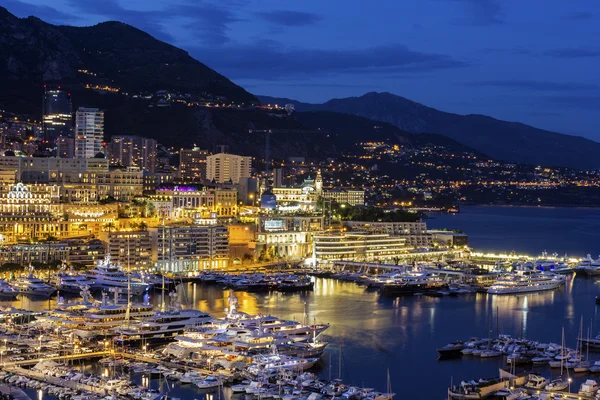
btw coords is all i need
(371, 335)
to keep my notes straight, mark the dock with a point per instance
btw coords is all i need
(54, 381)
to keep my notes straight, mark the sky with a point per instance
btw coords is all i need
(532, 61)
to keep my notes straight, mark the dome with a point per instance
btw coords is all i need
(99, 155)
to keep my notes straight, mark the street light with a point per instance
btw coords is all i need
(570, 380)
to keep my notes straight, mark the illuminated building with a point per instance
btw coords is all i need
(80, 180)
(86, 252)
(57, 118)
(415, 233)
(191, 202)
(131, 249)
(192, 165)
(31, 212)
(357, 246)
(65, 147)
(132, 151)
(353, 197)
(190, 248)
(224, 167)
(23, 254)
(288, 237)
(89, 132)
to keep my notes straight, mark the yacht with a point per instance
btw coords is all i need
(588, 266)
(412, 283)
(163, 325)
(68, 282)
(106, 275)
(526, 282)
(33, 286)
(271, 363)
(7, 290)
(588, 388)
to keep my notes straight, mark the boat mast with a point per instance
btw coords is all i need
(128, 312)
(162, 307)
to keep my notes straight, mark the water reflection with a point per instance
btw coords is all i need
(376, 332)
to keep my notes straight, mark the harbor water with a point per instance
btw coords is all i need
(375, 333)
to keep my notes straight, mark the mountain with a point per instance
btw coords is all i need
(509, 141)
(33, 52)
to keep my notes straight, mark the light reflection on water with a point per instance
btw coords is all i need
(402, 334)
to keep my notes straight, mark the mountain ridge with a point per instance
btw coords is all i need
(504, 140)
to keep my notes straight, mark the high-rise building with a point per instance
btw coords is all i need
(57, 114)
(89, 132)
(132, 151)
(131, 249)
(192, 164)
(224, 167)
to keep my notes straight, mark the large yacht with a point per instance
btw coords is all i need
(88, 318)
(412, 283)
(588, 266)
(163, 325)
(7, 290)
(106, 275)
(66, 281)
(30, 285)
(526, 282)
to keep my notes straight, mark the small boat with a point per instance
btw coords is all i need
(536, 382)
(208, 383)
(451, 349)
(558, 384)
(490, 353)
(588, 388)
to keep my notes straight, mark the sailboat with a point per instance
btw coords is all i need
(388, 395)
(559, 383)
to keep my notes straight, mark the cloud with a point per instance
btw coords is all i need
(290, 18)
(578, 16)
(541, 86)
(515, 50)
(480, 12)
(47, 13)
(572, 53)
(208, 21)
(274, 62)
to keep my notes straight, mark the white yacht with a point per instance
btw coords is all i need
(67, 282)
(270, 363)
(588, 266)
(7, 290)
(163, 325)
(30, 285)
(106, 275)
(526, 282)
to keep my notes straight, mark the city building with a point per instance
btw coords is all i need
(57, 114)
(357, 246)
(224, 167)
(65, 147)
(449, 238)
(191, 202)
(80, 180)
(89, 132)
(132, 151)
(190, 248)
(353, 197)
(131, 249)
(24, 254)
(192, 165)
(86, 252)
(415, 233)
(287, 237)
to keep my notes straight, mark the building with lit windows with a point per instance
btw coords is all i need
(353, 197)
(190, 248)
(287, 237)
(415, 233)
(182, 201)
(57, 114)
(89, 132)
(131, 249)
(224, 167)
(357, 246)
(192, 165)
(132, 151)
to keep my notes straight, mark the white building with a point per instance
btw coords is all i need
(89, 132)
(190, 248)
(223, 167)
(357, 246)
(415, 233)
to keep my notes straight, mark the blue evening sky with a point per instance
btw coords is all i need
(534, 61)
